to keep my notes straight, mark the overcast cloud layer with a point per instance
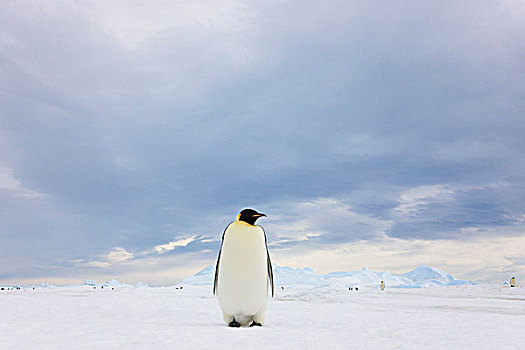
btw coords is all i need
(378, 134)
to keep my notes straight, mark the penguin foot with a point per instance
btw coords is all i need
(234, 324)
(255, 324)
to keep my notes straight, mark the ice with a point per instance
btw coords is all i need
(205, 276)
(284, 276)
(422, 276)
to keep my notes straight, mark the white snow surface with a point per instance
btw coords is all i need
(300, 316)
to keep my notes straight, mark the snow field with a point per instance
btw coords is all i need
(454, 317)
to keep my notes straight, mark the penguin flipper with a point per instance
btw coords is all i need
(270, 270)
(216, 280)
(217, 272)
(269, 263)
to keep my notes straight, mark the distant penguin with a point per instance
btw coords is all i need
(513, 282)
(382, 285)
(244, 271)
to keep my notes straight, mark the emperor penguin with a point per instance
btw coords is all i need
(243, 272)
(382, 286)
(513, 282)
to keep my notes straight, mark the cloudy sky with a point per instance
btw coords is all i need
(371, 133)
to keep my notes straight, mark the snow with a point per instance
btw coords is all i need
(298, 317)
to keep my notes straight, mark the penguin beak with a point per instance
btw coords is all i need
(258, 215)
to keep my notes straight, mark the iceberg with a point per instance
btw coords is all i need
(422, 276)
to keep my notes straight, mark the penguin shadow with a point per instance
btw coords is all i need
(224, 325)
(242, 327)
(220, 325)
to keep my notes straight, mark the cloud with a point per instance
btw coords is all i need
(102, 264)
(10, 184)
(321, 221)
(162, 248)
(126, 125)
(478, 259)
(120, 258)
(453, 211)
(118, 255)
(7, 180)
(412, 200)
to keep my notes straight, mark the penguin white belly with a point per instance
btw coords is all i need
(243, 276)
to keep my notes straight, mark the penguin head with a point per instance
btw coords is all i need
(249, 216)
